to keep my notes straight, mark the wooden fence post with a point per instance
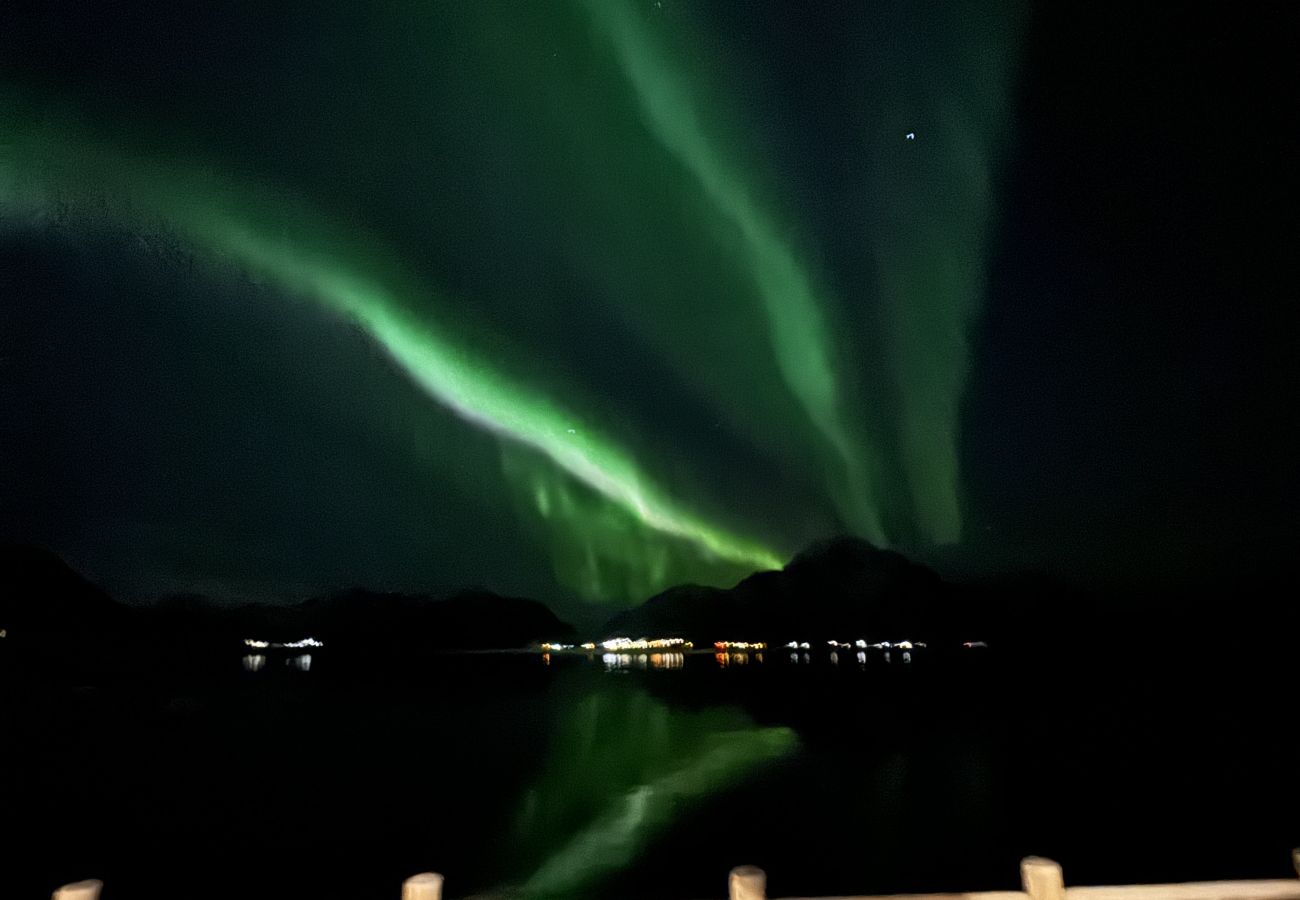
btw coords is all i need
(1042, 879)
(747, 883)
(81, 890)
(425, 886)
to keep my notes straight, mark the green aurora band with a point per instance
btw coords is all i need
(589, 151)
(41, 171)
(928, 229)
(796, 316)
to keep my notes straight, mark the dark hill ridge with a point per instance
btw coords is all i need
(844, 588)
(39, 591)
(45, 603)
(841, 589)
(467, 620)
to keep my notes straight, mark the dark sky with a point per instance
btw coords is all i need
(581, 299)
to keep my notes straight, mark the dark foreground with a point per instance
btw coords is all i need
(575, 779)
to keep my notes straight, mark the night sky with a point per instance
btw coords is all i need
(581, 299)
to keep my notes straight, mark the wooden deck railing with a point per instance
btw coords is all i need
(1041, 879)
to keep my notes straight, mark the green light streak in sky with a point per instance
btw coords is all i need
(932, 202)
(598, 547)
(296, 251)
(797, 325)
(577, 177)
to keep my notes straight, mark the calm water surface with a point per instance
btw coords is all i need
(623, 777)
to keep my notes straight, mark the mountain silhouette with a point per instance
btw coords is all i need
(844, 588)
(40, 592)
(51, 614)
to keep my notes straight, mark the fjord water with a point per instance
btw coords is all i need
(576, 777)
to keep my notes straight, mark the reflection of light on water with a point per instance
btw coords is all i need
(619, 661)
(301, 663)
(615, 661)
(835, 658)
(584, 822)
(794, 658)
(862, 657)
(254, 662)
(907, 656)
(546, 659)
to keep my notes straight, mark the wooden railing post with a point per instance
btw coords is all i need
(1042, 879)
(425, 886)
(81, 890)
(1295, 860)
(747, 883)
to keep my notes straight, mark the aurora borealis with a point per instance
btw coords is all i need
(222, 221)
(646, 292)
(317, 311)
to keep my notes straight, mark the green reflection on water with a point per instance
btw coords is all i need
(621, 767)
